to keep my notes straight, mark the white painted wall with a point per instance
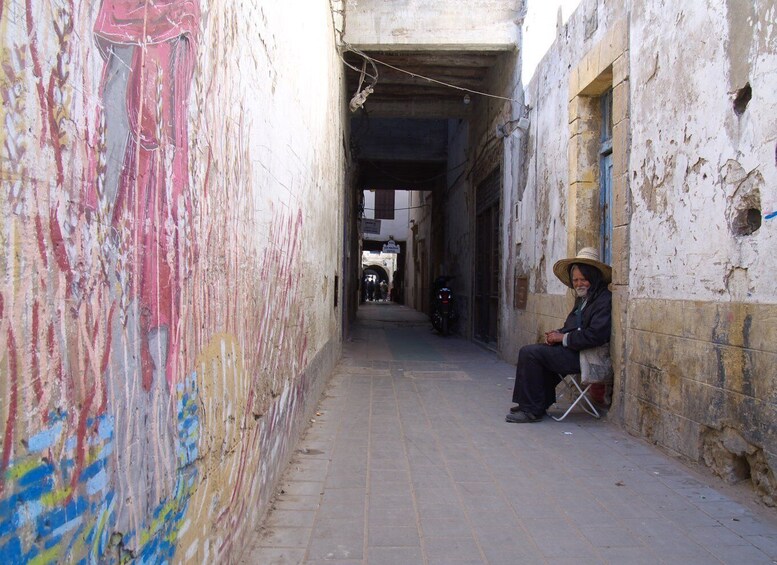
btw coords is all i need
(693, 159)
(474, 24)
(399, 226)
(542, 224)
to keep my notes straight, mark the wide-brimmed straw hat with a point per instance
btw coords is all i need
(586, 256)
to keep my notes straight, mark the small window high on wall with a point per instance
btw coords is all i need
(384, 204)
(605, 178)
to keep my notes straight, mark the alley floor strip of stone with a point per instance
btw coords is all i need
(409, 461)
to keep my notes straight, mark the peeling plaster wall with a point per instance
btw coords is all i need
(693, 260)
(693, 170)
(537, 190)
(162, 333)
(702, 270)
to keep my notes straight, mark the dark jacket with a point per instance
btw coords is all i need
(596, 323)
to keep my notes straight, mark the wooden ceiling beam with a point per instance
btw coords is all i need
(428, 58)
(398, 93)
(421, 83)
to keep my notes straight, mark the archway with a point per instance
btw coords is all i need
(373, 277)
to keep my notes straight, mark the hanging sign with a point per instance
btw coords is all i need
(370, 226)
(390, 247)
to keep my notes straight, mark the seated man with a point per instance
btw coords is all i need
(588, 325)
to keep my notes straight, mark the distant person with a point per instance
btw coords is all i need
(383, 290)
(588, 325)
(370, 290)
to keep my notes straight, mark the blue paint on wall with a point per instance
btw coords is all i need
(38, 513)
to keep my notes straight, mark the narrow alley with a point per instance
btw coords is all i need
(408, 460)
(206, 207)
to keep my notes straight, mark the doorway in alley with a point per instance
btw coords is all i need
(487, 255)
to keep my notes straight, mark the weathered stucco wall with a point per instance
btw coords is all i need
(694, 135)
(474, 24)
(537, 188)
(704, 179)
(160, 343)
(701, 381)
(700, 164)
(418, 278)
(535, 207)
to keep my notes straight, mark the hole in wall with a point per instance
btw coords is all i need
(743, 97)
(740, 469)
(746, 221)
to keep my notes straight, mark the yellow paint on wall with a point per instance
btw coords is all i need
(48, 556)
(52, 499)
(223, 393)
(213, 350)
(99, 529)
(21, 469)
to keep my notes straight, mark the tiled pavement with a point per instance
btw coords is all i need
(410, 462)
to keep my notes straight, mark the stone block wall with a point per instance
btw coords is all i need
(701, 381)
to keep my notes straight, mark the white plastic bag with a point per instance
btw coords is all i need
(596, 365)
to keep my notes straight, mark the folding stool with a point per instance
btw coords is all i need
(579, 393)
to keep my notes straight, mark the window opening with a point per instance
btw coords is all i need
(384, 204)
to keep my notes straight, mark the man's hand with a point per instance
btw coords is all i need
(553, 337)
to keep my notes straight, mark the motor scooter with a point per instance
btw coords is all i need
(443, 307)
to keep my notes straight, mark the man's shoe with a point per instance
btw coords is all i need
(515, 409)
(522, 418)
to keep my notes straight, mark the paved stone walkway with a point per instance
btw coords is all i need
(410, 462)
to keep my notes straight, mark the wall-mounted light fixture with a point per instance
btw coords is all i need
(508, 128)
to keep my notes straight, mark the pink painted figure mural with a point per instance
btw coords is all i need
(149, 51)
(154, 338)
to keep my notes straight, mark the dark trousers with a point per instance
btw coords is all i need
(537, 375)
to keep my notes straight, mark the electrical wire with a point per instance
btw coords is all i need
(374, 77)
(400, 209)
(350, 48)
(360, 96)
(442, 83)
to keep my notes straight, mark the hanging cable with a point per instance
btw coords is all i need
(463, 89)
(360, 97)
(400, 209)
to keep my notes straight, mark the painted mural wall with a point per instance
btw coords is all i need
(694, 217)
(162, 327)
